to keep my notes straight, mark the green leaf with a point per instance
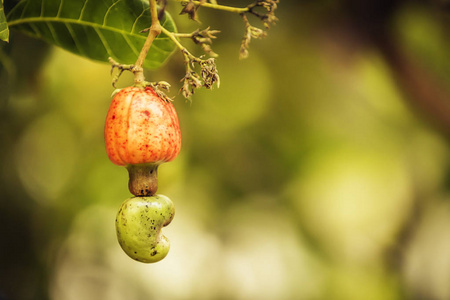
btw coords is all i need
(96, 29)
(4, 31)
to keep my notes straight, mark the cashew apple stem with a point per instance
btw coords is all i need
(143, 179)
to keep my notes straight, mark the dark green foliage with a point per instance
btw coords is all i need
(94, 29)
(4, 31)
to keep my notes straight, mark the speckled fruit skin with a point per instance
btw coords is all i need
(138, 225)
(141, 128)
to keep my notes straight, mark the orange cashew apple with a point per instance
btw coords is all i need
(141, 132)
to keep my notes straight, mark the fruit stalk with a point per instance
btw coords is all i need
(155, 30)
(143, 179)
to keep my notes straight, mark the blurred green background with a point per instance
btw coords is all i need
(318, 170)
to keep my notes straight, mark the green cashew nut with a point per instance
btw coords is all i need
(138, 225)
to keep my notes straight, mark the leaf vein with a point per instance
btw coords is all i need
(135, 21)
(42, 8)
(53, 32)
(96, 26)
(82, 10)
(130, 45)
(105, 43)
(24, 9)
(108, 11)
(36, 30)
(74, 38)
(60, 8)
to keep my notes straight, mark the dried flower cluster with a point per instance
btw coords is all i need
(190, 8)
(201, 72)
(204, 39)
(268, 18)
(270, 6)
(159, 87)
(192, 80)
(262, 9)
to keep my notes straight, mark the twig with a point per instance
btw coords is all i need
(155, 30)
(238, 10)
(136, 69)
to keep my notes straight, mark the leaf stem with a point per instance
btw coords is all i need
(238, 10)
(181, 35)
(187, 55)
(155, 30)
(174, 36)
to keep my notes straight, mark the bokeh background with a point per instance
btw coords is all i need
(320, 169)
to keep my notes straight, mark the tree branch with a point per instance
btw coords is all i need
(155, 30)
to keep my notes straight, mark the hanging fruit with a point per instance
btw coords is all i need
(141, 132)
